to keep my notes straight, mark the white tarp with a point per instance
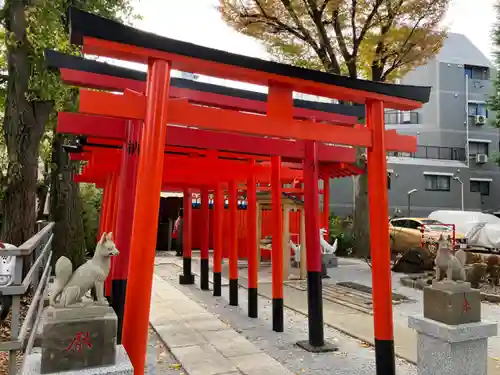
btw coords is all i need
(480, 229)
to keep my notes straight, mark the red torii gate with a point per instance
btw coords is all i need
(106, 38)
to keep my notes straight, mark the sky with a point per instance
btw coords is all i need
(198, 21)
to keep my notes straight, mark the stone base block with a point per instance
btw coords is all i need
(76, 338)
(330, 260)
(452, 349)
(186, 279)
(326, 348)
(122, 365)
(452, 303)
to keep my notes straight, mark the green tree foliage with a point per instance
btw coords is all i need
(494, 102)
(91, 209)
(32, 94)
(373, 39)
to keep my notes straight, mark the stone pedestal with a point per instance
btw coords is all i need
(451, 339)
(76, 338)
(330, 260)
(123, 366)
(452, 303)
(452, 349)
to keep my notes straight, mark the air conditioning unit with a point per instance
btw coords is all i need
(481, 158)
(480, 120)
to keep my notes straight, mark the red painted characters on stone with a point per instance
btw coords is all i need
(466, 304)
(79, 340)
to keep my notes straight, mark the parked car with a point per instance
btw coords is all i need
(482, 230)
(406, 233)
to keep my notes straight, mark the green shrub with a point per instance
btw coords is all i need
(342, 230)
(91, 209)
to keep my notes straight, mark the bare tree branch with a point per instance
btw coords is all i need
(324, 49)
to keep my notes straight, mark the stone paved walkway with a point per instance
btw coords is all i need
(355, 323)
(354, 356)
(202, 343)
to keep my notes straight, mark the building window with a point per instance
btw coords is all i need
(477, 72)
(477, 109)
(478, 148)
(437, 182)
(482, 187)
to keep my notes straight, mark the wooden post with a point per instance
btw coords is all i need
(326, 204)
(205, 239)
(303, 247)
(233, 247)
(218, 225)
(112, 206)
(379, 241)
(314, 260)
(259, 235)
(145, 224)
(277, 245)
(187, 277)
(286, 240)
(253, 309)
(124, 223)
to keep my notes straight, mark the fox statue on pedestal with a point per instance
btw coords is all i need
(70, 287)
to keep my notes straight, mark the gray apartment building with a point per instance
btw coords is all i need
(457, 143)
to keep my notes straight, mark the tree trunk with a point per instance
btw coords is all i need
(66, 207)
(42, 192)
(361, 225)
(24, 124)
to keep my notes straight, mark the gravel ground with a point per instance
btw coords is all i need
(353, 356)
(159, 359)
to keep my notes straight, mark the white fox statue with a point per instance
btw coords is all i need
(70, 287)
(449, 264)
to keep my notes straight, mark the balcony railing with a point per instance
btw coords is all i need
(401, 117)
(434, 152)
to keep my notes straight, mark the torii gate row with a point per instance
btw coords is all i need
(131, 105)
(212, 170)
(93, 74)
(106, 38)
(394, 142)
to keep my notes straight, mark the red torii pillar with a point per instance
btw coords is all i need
(233, 247)
(145, 224)
(277, 246)
(110, 223)
(205, 239)
(316, 342)
(218, 225)
(124, 221)
(253, 262)
(187, 277)
(379, 240)
(326, 202)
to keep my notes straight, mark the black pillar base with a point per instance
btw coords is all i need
(253, 307)
(204, 274)
(217, 284)
(233, 292)
(118, 290)
(315, 309)
(384, 357)
(187, 278)
(278, 318)
(326, 348)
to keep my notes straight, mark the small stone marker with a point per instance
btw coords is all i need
(77, 338)
(451, 302)
(451, 339)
